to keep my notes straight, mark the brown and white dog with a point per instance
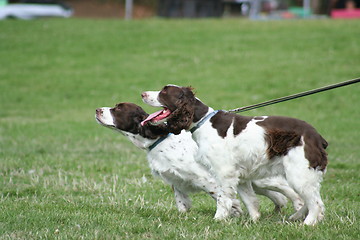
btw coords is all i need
(239, 149)
(172, 157)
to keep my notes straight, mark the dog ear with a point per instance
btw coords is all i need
(183, 116)
(152, 131)
(135, 117)
(188, 92)
(138, 115)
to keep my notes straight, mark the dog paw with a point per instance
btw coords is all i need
(183, 207)
(255, 216)
(310, 221)
(236, 212)
(298, 204)
(221, 215)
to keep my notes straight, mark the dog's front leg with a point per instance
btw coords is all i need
(183, 202)
(227, 202)
(214, 192)
(223, 206)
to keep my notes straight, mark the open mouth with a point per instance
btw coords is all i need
(157, 117)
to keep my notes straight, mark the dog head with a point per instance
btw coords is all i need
(178, 107)
(127, 118)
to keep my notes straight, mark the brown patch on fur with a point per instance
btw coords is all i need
(200, 110)
(223, 120)
(280, 142)
(315, 144)
(240, 123)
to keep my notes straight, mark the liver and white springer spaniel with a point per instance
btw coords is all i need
(240, 148)
(171, 157)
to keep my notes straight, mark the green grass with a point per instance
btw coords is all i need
(63, 176)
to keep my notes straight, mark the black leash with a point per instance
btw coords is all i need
(291, 97)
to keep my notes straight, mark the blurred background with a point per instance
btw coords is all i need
(256, 9)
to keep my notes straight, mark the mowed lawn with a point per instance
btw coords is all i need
(62, 176)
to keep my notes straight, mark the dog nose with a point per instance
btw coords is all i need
(144, 95)
(99, 111)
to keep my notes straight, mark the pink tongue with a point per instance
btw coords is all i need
(156, 114)
(151, 116)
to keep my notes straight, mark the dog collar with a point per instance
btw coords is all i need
(202, 121)
(157, 142)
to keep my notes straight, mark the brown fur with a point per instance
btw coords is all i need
(222, 121)
(181, 103)
(280, 142)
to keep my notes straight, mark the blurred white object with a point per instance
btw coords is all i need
(31, 11)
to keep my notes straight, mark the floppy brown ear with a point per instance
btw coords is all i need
(188, 92)
(152, 132)
(183, 116)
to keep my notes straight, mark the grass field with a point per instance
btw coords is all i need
(62, 176)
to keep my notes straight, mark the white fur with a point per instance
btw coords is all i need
(150, 98)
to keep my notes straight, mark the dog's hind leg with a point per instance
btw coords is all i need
(306, 182)
(250, 200)
(279, 184)
(315, 206)
(278, 199)
(299, 215)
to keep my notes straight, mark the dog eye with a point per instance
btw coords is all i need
(164, 90)
(117, 106)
